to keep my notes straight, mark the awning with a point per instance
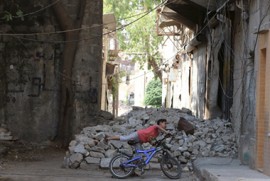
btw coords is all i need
(186, 12)
(190, 13)
(170, 17)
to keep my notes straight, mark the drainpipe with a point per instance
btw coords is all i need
(197, 40)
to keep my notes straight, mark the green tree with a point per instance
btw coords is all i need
(137, 30)
(153, 95)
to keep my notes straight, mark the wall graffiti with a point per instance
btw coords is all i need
(36, 82)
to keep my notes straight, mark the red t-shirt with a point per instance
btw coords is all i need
(147, 134)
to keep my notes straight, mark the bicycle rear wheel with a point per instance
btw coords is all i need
(170, 167)
(117, 168)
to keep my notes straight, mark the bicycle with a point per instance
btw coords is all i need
(123, 164)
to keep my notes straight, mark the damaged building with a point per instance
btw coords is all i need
(218, 67)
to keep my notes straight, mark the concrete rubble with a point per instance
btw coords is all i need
(211, 138)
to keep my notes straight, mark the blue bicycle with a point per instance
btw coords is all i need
(123, 165)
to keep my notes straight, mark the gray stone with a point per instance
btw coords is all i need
(77, 157)
(186, 154)
(103, 145)
(134, 122)
(176, 153)
(97, 149)
(219, 148)
(195, 151)
(80, 149)
(182, 159)
(181, 142)
(200, 143)
(85, 139)
(99, 136)
(154, 166)
(92, 160)
(110, 153)
(104, 163)
(96, 154)
(184, 148)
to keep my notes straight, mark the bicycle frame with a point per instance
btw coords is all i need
(123, 165)
(147, 153)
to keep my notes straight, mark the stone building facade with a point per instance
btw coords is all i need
(30, 62)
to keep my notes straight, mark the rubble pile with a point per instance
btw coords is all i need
(213, 138)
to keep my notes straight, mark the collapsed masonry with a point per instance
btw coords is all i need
(211, 138)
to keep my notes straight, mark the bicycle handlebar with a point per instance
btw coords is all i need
(160, 142)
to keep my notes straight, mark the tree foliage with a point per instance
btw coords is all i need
(137, 28)
(154, 93)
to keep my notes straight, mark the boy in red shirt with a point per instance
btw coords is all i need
(143, 135)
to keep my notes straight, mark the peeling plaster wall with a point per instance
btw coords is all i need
(245, 65)
(87, 68)
(184, 80)
(198, 82)
(190, 85)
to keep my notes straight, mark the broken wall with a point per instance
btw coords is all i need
(248, 20)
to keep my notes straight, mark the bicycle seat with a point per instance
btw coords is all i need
(132, 142)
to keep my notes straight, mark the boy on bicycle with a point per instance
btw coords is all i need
(143, 135)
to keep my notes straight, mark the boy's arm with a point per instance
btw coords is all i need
(163, 130)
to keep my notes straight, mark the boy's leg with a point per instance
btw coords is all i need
(133, 136)
(112, 138)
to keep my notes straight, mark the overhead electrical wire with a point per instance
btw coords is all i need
(34, 12)
(78, 29)
(58, 32)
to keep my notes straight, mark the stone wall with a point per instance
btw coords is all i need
(31, 86)
(31, 70)
(243, 110)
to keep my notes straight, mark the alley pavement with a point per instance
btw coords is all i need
(226, 169)
(206, 169)
(50, 170)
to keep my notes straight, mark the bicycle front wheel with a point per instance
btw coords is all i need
(117, 167)
(170, 167)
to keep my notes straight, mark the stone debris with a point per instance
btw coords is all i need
(5, 134)
(210, 138)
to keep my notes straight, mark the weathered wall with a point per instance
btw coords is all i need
(30, 78)
(87, 69)
(30, 72)
(247, 21)
(231, 58)
(198, 82)
(184, 93)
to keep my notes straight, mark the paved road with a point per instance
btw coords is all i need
(50, 170)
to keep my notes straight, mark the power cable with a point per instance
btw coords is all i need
(34, 12)
(78, 29)
(150, 71)
(83, 39)
(98, 35)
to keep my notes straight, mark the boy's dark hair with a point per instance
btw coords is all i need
(161, 121)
